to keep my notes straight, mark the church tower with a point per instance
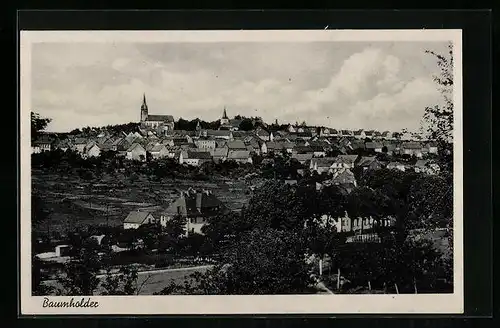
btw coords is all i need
(224, 120)
(144, 109)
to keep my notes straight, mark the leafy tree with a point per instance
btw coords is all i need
(440, 117)
(124, 282)
(80, 273)
(246, 125)
(263, 262)
(280, 206)
(431, 201)
(38, 124)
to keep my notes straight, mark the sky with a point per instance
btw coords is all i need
(343, 85)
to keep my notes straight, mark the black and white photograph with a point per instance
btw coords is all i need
(320, 167)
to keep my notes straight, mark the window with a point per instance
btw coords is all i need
(178, 210)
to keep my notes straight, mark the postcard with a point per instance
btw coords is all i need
(241, 172)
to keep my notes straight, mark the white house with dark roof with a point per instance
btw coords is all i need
(196, 207)
(344, 162)
(239, 156)
(137, 218)
(136, 152)
(194, 158)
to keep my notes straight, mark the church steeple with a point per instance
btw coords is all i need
(224, 115)
(144, 109)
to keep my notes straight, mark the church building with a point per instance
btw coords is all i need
(160, 123)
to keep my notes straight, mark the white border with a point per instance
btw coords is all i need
(272, 304)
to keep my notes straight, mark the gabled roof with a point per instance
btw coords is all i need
(157, 148)
(136, 217)
(411, 145)
(302, 157)
(366, 160)
(194, 203)
(236, 144)
(346, 159)
(303, 149)
(323, 161)
(136, 146)
(343, 177)
(218, 133)
(238, 154)
(373, 145)
(160, 118)
(199, 155)
(220, 152)
(394, 164)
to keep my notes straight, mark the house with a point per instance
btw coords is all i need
(321, 164)
(137, 218)
(236, 145)
(327, 132)
(346, 133)
(343, 178)
(159, 151)
(302, 150)
(93, 151)
(287, 146)
(386, 135)
(302, 158)
(318, 151)
(427, 167)
(79, 144)
(263, 134)
(396, 166)
(219, 154)
(374, 146)
(196, 207)
(290, 128)
(304, 134)
(44, 143)
(431, 147)
(369, 134)
(218, 134)
(359, 134)
(263, 148)
(344, 162)
(205, 143)
(412, 148)
(369, 163)
(167, 141)
(389, 147)
(195, 158)
(136, 152)
(239, 156)
(63, 145)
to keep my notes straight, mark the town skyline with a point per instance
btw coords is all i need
(342, 85)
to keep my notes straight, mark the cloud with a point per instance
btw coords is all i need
(343, 85)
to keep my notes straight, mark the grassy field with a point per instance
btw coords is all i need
(74, 202)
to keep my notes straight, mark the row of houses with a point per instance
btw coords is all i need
(349, 162)
(192, 147)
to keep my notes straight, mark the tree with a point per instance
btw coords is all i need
(124, 282)
(262, 262)
(38, 124)
(38, 289)
(80, 273)
(440, 117)
(280, 206)
(246, 125)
